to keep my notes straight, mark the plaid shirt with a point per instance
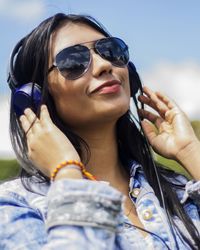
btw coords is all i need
(83, 214)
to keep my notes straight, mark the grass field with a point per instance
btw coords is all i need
(8, 169)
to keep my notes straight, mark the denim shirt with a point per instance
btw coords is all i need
(83, 214)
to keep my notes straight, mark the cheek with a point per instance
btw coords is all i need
(72, 103)
(123, 75)
(68, 106)
(63, 96)
(75, 107)
(127, 88)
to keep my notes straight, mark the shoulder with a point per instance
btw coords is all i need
(22, 213)
(11, 185)
(188, 190)
(13, 193)
(13, 188)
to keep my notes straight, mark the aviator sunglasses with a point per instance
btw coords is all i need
(74, 61)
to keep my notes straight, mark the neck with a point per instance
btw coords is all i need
(104, 162)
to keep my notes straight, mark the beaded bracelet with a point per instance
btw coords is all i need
(72, 162)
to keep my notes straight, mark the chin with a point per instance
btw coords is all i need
(122, 111)
(113, 113)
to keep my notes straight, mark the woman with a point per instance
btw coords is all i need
(118, 199)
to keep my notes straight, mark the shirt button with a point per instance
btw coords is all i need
(127, 225)
(147, 214)
(135, 192)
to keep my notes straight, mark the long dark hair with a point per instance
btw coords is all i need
(31, 65)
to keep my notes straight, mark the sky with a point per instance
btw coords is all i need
(163, 38)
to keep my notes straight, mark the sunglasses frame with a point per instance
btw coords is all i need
(54, 65)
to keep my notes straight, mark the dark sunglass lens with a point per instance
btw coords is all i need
(114, 50)
(73, 61)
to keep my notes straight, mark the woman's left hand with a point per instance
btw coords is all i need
(170, 132)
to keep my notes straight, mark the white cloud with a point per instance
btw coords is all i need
(180, 81)
(22, 10)
(5, 144)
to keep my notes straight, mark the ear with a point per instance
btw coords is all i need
(135, 83)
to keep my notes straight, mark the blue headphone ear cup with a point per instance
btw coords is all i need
(135, 84)
(26, 96)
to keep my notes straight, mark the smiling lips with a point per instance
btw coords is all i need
(108, 87)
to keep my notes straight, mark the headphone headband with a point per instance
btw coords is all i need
(12, 82)
(24, 95)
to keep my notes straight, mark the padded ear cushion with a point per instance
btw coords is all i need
(135, 84)
(27, 96)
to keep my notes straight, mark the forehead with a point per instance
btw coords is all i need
(73, 33)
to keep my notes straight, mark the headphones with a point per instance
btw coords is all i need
(29, 95)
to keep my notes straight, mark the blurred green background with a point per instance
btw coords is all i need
(10, 168)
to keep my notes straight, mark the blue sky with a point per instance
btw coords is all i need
(155, 30)
(163, 37)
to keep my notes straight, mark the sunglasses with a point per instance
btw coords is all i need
(74, 61)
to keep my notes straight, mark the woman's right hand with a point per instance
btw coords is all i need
(47, 144)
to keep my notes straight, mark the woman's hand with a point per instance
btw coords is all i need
(170, 132)
(47, 145)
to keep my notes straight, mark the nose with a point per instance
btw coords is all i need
(100, 65)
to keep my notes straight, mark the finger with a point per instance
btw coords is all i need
(149, 130)
(25, 123)
(30, 115)
(26, 126)
(33, 120)
(154, 98)
(175, 112)
(168, 102)
(147, 101)
(155, 102)
(144, 99)
(155, 119)
(44, 115)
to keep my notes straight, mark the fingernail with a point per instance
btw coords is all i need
(43, 106)
(27, 110)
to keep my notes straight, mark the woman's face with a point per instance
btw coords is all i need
(77, 102)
